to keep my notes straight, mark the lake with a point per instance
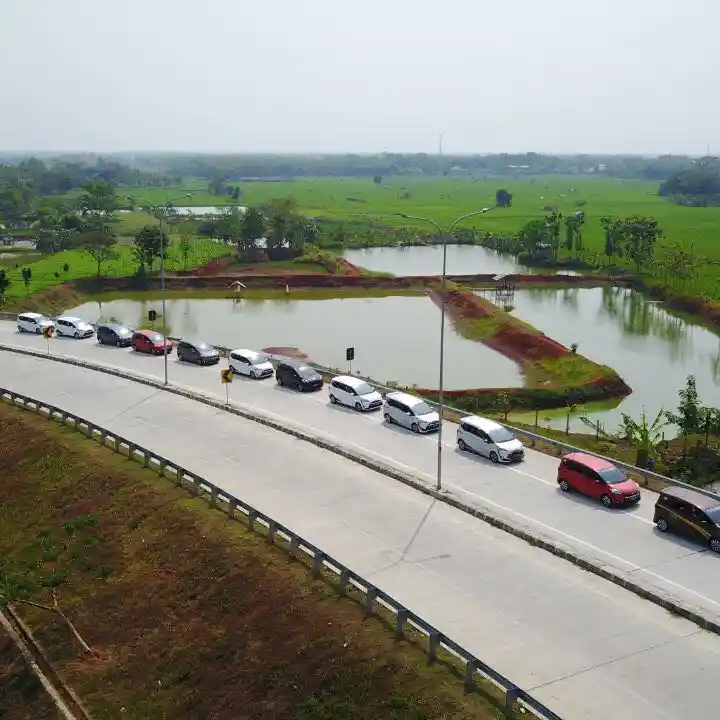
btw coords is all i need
(427, 260)
(395, 338)
(652, 349)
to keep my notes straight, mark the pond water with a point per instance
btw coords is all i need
(427, 260)
(652, 350)
(395, 338)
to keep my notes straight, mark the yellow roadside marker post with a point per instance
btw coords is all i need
(47, 334)
(226, 377)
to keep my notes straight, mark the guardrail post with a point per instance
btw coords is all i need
(470, 668)
(318, 559)
(146, 458)
(433, 644)
(232, 507)
(179, 476)
(370, 595)
(161, 467)
(195, 485)
(90, 431)
(103, 437)
(272, 529)
(117, 444)
(294, 546)
(511, 695)
(400, 618)
(131, 451)
(213, 496)
(344, 580)
(252, 516)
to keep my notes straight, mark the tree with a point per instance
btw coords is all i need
(503, 198)
(252, 228)
(613, 236)
(553, 222)
(573, 231)
(642, 436)
(639, 235)
(533, 235)
(26, 276)
(99, 246)
(185, 249)
(148, 242)
(5, 283)
(97, 205)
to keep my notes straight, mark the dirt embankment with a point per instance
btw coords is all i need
(556, 375)
(192, 617)
(703, 307)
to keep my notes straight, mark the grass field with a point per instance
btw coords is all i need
(362, 203)
(191, 616)
(48, 270)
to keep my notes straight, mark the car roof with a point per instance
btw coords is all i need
(195, 343)
(481, 423)
(292, 362)
(114, 326)
(148, 333)
(703, 502)
(72, 318)
(404, 398)
(353, 382)
(591, 461)
(32, 314)
(245, 351)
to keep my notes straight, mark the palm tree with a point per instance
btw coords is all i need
(642, 436)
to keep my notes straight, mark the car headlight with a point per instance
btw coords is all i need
(423, 424)
(615, 491)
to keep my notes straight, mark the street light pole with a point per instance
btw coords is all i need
(160, 211)
(441, 398)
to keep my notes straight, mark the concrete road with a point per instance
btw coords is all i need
(583, 646)
(623, 539)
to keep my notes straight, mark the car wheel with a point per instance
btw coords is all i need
(606, 500)
(333, 400)
(279, 380)
(21, 329)
(715, 545)
(358, 407)
(117, 342)
(180, 357)
(414, 427)
(387, 418)
(76, 335)
(37, 331)
(564, 486)
(494, 457)
(462, 444)
(299, 387)
(253, 375)
(662, 525)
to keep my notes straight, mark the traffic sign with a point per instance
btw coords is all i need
(350, 354)
(48, 332)
(226, 376)
(152, 315)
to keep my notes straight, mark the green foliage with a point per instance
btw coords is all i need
(639, 235)
(5, 283)
(644, 436)
(149, 242)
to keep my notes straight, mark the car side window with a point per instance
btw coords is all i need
(391, 403)
(467, 428)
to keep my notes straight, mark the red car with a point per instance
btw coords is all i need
(597, 478)
(149, 341)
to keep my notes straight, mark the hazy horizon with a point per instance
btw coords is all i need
(631, 77)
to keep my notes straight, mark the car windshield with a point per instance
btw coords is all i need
(612, 476)
(501, 435)
(364, 389)
(203, 347)
(156, 338)
(422, 408)
(258, 359)
(306, 371)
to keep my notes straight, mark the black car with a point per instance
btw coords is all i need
(199, 353)
(298, 375)
(113, 334)
(689, 513)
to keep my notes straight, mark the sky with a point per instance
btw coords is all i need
(331, 76)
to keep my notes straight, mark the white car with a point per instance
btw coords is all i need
(488, 438)
(33, 322)
(355, 393)
(410, 412)
(73, 327)
(250, 363)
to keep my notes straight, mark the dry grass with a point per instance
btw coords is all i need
(194, 616)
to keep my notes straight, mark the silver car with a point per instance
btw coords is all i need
(410, 412)
(488, 438)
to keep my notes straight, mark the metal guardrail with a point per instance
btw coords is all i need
(648, 476)
(278, 534)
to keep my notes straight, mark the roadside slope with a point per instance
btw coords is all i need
(193, 617)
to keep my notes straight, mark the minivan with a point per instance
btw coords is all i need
(410, 412)
(73, 327)
(597, 478)
(199, 353)
(355, 393)
(488, 438)
(251, 363)
(113, 334)
(33, 322)
(298, 375)
(689, 513)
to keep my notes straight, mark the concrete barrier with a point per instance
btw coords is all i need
(654, 595)
(373, 598)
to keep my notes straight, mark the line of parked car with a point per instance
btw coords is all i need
(677, 509)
